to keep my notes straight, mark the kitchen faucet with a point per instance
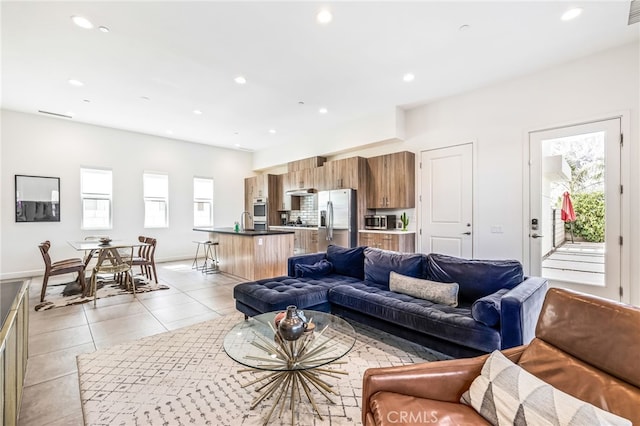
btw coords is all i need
(242, 223)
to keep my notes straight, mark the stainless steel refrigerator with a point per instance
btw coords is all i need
(337, 220)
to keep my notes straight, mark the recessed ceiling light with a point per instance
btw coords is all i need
(324, 17)
(82, 22)
(197, 112)
(323, 110)
(571, 14)
(300, 102)
(86, 100)
(145, 98)
(272, 131)
(70, 113)
(408, 77)
(240, 79)
(76, 83)
(169, 132)
(103, 29)
(464, 27)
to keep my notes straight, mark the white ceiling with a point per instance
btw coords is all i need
(184, 56)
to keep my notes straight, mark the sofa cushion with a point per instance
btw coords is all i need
(275, 294)
(505, 393)
(378, 263)
(434, 291)
(347, 261)
(316, 270)
(477, 278)
(487, 308)
(423, 316)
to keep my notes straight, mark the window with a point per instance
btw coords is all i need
(202, 202)
(96, 191)
(156, 200)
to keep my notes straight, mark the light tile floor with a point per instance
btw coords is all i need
(51, 394)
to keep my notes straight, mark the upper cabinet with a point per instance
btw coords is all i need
(301, 179)
(340, 174)
(391, 181)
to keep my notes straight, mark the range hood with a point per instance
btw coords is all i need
(303, 192)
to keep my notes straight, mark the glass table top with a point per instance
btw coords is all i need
(254, 343)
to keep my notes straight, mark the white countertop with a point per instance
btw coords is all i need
(387, 231)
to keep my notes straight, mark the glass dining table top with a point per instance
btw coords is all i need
(97, 245)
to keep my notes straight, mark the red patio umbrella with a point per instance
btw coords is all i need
(566, 213)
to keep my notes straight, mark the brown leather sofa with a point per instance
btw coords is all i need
(585, 346)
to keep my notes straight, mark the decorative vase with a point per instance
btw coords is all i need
(292, 326)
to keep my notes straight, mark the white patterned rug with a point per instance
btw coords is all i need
(184, 377)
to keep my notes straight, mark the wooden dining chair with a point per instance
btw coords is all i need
(61, 267)
(146, 258)
(115, 264)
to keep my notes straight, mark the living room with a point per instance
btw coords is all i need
(496, 117)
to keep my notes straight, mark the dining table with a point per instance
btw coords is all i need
(111, 252)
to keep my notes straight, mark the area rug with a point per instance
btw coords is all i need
(184, 377)
(65, 294)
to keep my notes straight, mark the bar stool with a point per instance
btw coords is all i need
(194, 264)
(208, 255)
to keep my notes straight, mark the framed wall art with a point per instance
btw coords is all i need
(37, 199)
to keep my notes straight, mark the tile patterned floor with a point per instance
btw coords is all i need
(51, 395)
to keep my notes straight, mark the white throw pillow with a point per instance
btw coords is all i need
(434, 291)
(507, 394)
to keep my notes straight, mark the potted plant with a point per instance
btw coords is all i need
(405, 221)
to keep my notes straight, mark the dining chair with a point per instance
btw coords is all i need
(146, 258)
(61, 267)
(112, 263)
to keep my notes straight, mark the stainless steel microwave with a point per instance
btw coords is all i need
(377, 221)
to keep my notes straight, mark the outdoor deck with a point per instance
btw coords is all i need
(578, 262)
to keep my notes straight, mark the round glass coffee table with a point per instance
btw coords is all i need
(290, 371)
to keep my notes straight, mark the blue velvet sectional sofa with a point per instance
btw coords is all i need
(497, 307)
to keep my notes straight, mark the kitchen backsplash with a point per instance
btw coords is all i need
(308, 212)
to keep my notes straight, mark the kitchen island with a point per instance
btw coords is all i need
(251, 254)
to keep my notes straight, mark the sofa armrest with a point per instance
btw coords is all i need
(303, 259)
(439, 380)
(519, 311)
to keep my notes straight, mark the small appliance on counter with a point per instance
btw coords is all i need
(378, 221)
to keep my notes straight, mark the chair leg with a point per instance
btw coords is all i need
(45, 280)
(94, 286)
(133, 282)
(83, 282)
(155, 274)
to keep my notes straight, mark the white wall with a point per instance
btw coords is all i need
(498, 119)
(43, 146)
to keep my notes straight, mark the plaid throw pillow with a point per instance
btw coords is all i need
(506, 394)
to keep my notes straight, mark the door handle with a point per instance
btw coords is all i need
(466, 233)
(536, 236)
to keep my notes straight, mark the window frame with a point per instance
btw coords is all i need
(203, 200)
(95, 196)
(155, 199)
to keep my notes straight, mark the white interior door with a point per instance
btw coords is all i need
(447, 201)
(582, 160)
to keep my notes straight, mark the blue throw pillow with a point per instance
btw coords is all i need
(378, 264)
(487, 309)
(477, 278)
(347, 261)
(316, 270)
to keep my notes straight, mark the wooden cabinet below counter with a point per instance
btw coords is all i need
(404, 242)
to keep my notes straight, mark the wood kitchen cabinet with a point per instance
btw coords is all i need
(340, 174)
(404, 243)
(299, 180)
(262, 186)
(391, 181)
